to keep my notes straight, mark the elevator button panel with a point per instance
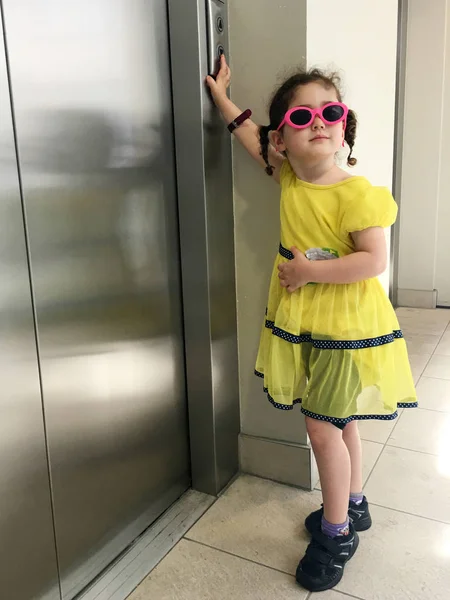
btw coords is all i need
(216, 11)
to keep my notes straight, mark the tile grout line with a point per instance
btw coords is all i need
(404, 512)
(398, 419)
(311, 594)
(381, 452)
(249, 560)
(433, 353)
(265, 566)
(411, 450)
(430, 377)
(346, 594)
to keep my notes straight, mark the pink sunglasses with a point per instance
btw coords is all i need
(301, 117)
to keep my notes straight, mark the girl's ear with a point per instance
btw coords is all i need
(276, 139)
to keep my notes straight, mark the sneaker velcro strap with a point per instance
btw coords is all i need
(332, 546)
(319, 554)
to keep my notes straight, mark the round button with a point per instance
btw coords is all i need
(220, 24)
(220, 51)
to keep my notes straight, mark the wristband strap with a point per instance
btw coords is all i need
(239, 120)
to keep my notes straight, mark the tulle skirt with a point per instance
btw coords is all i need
(337, 350)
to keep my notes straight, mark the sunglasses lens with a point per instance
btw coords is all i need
(333, 113)
(301, 117)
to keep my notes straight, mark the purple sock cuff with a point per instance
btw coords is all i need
(357, 498)
(332, 531)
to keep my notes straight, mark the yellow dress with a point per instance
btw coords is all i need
(336, 349)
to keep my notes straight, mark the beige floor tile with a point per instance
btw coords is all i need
(332, 595)
(424, 431)
(426, 322)
(421, 343)
(443, 347)
(434, 394)
(261, 521)
(376, 431)
(194, 572)
(412, 482)
(418, 363)
(371, 452)
(401, 558)
(423, 313)
(439, 367)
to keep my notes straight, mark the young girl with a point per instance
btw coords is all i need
(330, 339)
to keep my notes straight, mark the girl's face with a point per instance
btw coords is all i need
(318, 141)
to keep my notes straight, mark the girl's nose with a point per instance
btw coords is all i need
(318, 123)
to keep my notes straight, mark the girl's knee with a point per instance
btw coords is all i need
(321, 433)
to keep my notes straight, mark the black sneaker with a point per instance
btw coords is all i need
(358, 514)
(322, 567)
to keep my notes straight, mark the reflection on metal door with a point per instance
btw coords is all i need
(27, 547)
(91, 89)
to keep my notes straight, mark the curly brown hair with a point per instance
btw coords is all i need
(282, 98)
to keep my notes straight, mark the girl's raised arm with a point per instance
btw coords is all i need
(248, 133)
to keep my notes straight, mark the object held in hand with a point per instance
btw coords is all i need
(319, 254)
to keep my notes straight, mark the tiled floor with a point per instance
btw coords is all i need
(248, 544)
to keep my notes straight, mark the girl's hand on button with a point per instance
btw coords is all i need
(220, 84)
(296, 273)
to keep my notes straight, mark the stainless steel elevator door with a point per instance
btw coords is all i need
(93, 109)
(27, 547)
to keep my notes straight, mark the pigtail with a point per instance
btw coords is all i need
(264, 131)
(350, 136)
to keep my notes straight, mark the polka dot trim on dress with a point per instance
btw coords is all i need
(334, 344)
(335, 420)
(285, 253)
(282, 406)
(348, 420)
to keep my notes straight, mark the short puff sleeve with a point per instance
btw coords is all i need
(375, 208)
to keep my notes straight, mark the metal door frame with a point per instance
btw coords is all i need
(206, 217)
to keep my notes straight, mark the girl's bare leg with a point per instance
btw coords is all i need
(333, 461)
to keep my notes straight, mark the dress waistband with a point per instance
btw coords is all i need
(285, 253)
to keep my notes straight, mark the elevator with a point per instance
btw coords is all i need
(105, 357)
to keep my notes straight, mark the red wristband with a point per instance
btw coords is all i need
(239, 120)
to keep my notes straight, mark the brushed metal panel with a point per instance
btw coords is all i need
(28, 567)
(205, 197)
(91, 88)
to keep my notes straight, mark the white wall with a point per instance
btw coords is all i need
(442, 265)
(425, 222)
(424, 261)
(347, 37)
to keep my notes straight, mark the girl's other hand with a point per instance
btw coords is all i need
(221, 83)
(296, 273)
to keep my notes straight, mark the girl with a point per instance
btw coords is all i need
(330, 339)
